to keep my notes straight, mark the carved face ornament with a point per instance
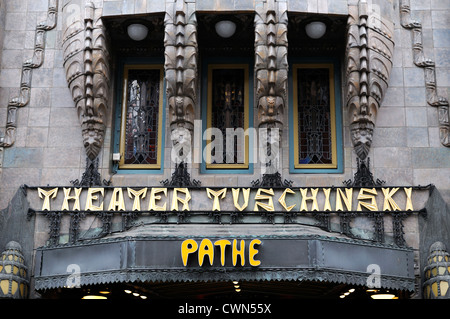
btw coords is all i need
(181, 110)
(93, 130)
(179, 106)
(270, 109)
(362, 134)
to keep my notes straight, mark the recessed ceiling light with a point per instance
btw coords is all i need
(137, 31)
(93, 297)
(383, 296)
(316, 29)
(225, 28)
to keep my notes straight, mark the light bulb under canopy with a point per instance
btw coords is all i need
(137, 31)
(316, 29)
(383, 296)
(225, 28)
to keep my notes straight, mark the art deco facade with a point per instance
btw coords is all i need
(143, 148)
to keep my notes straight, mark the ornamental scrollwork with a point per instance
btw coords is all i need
(9, 137)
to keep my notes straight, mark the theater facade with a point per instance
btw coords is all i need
(199, 149)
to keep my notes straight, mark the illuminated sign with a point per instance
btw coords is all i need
(240, 205)
(181, 199)
(206, 249)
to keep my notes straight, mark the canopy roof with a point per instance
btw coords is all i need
(158, 259)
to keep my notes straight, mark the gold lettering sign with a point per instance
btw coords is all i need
(246, 193)
(223, 243)
(267, 206)
(47, 194)
(389, 203)
(347, 199)
(177, 199)
(238, 252)
(409, 205)
(117, 202)
(314, 191)
(282, 199)
(263, 198)
(222, 192)
(252, 252)
(138, 195)
(91, 197)
(67, 197)
(327, 206)
(206, 249)
(188, 247)
(154, 198)
(372, 206)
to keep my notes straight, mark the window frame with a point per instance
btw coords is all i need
(120, 126)
(335, 113)
(208, 66)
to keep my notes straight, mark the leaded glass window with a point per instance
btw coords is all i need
(141, 117)
(314, 117)
(228, 114)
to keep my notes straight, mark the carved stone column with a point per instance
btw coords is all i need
(271, 66)
(181, 52)
(86, 61)
(369, 52)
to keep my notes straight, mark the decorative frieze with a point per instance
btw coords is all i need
(420, 60)
(9, 137)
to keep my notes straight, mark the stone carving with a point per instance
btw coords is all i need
(430, 75)
(271, 71)
(180, 42)
(8, 139)
(86, 61)
(369, 54)
(13, 273)
(437, 273)
(271, 65)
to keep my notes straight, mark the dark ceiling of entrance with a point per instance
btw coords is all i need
(215, 290)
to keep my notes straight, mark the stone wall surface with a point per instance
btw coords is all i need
(48, 148)
(2, 22)
(409, 146)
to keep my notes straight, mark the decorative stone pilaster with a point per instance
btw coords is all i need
(369, 52)
(86, 61)
(271, 65)
(420, 60)
(180, 42)
(271, 68)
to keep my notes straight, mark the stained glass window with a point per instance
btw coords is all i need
(228, 113)
(141, 118)
(314, 117)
